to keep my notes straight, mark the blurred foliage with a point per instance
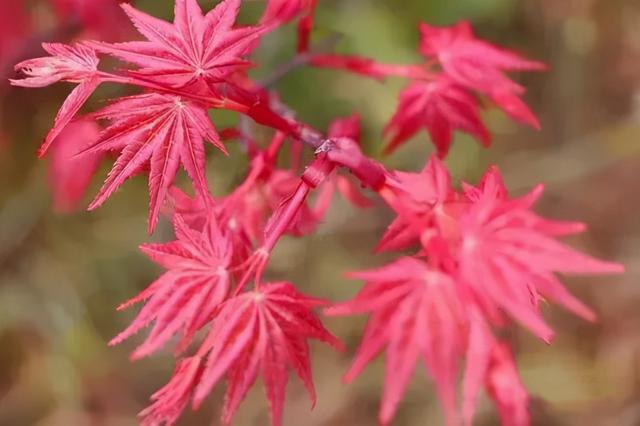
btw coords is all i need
(62, 276)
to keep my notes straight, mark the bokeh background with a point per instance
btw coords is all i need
(62, 275)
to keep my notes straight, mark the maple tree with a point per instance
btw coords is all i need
(473, 259)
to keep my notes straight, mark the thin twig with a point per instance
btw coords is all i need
(300, 60)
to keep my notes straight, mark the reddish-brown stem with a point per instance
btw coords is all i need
(282, 222)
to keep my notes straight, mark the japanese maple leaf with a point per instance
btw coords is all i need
(261, 332)
(510, 259)
(70, 175)
(415, 315)
(76, 64)
(440, 107)
(195, 48)
(479, 65)
(186, 296)
(158, 131)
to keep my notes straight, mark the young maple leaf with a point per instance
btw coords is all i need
(185, 297)
(161, 131)
(195, 48)
(76, 64)
(509, 258)
(441, 107)
(69, 175)
(416, 315)
(480, 66)
(263, 331)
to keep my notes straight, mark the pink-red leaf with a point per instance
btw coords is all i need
(185, 298)
(480, 66)
(416, 313)
(159, 131)
(440, 107)
(261, 332)
(76, 64)
(194, 49)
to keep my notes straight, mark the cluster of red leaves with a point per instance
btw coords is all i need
(482, 259)
(443, 95)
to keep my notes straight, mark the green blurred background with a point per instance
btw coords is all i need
(61, 276)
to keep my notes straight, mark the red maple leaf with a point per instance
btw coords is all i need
(509, 258)
(185, 297)
(195, 48)
(76, 64)
(261, 332)
(480, 66)
(416, 315)
(439, 106)
(159, 131)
